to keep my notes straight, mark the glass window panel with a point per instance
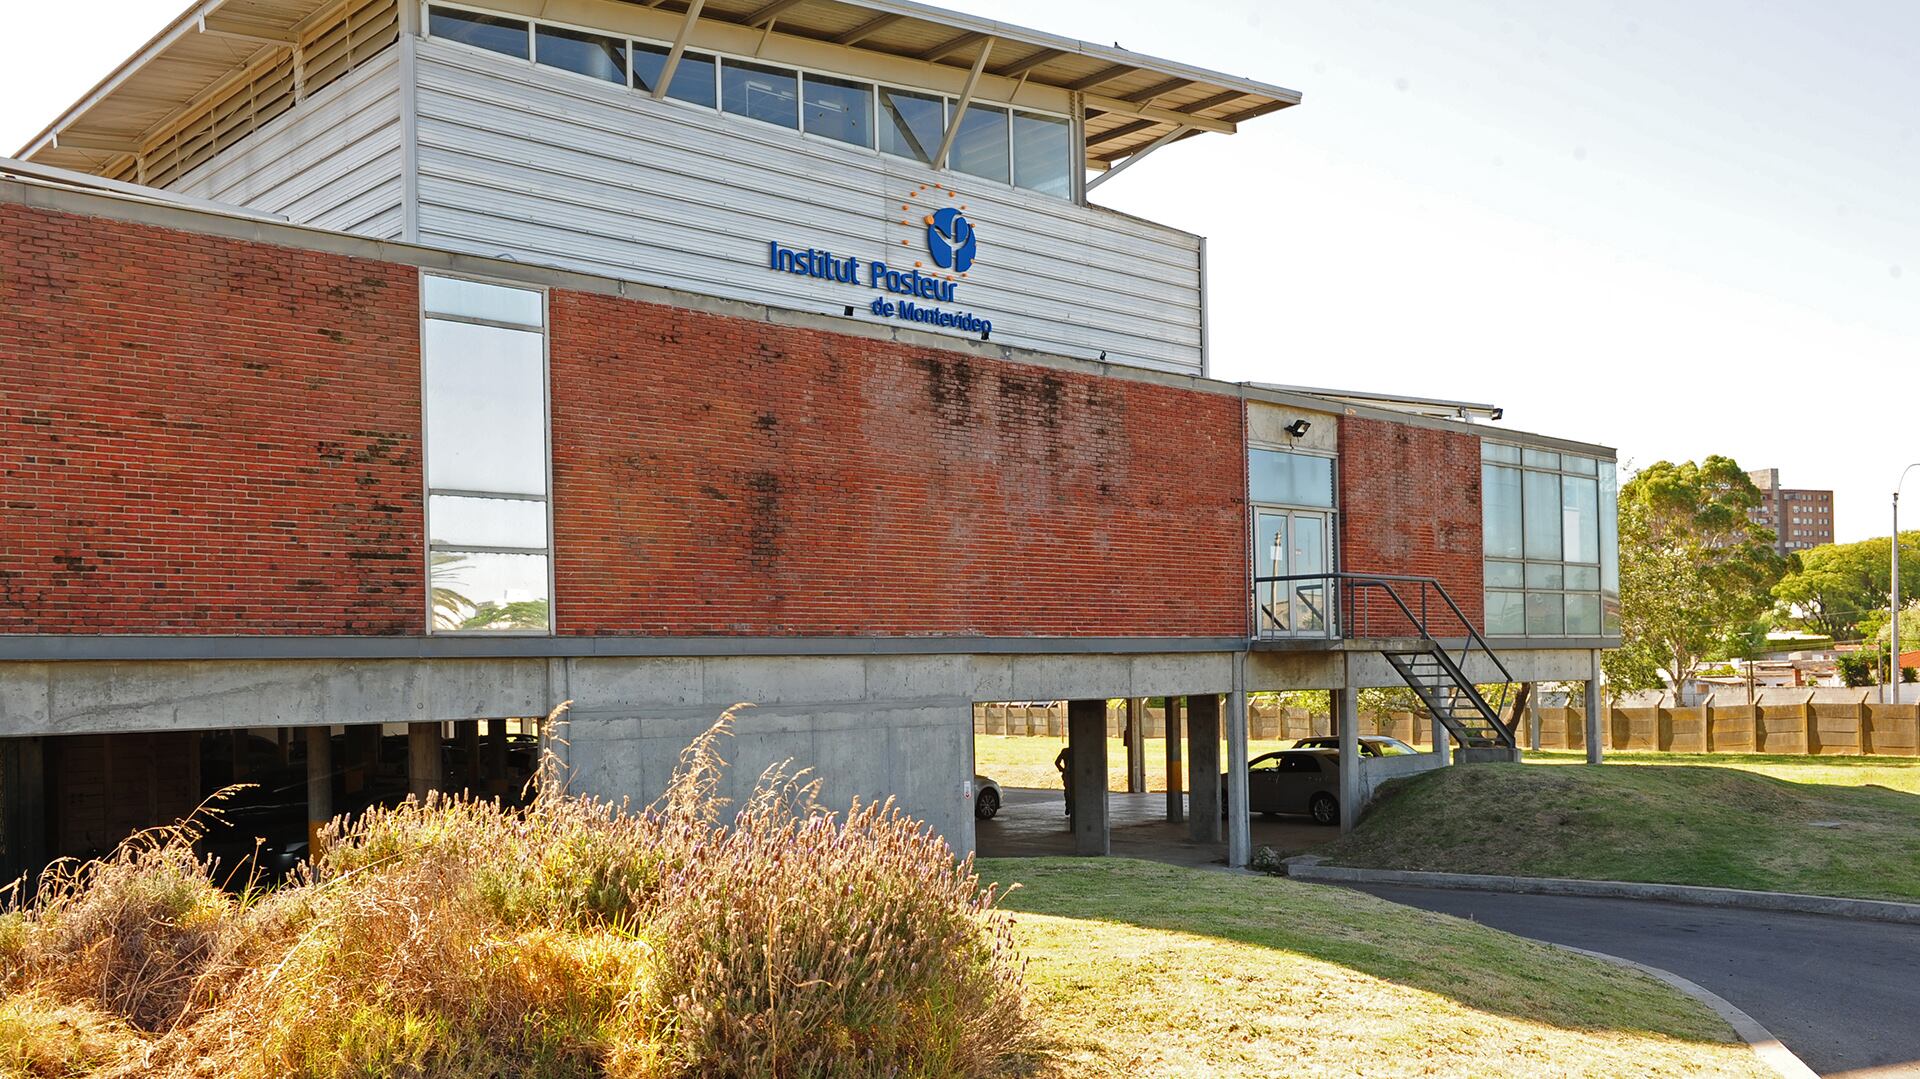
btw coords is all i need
(580, 52)
(1586, 466)
(771, 94)
(1500, 511)
(472, 299)
(1312, 480)
(839, 110)
(1545, 614)
(1539, 459)
(693, 77)
(472, 590)
(486, 522)
(911, 125)
(1506, 614)
(492, 32)
(1499, 451)
(1504, 575)
(1545, 575)
(1542, 512)
(1309, 555)
(1270, 560)
(486, 423)
(1042, 154)
(1610, 541)
(980, 148)
(1583, 578)
(1580, 519)
(1583, 616)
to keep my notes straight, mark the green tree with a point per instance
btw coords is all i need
(1840, 589)
(1696, 573)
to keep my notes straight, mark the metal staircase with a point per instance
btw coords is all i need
(1413, 635)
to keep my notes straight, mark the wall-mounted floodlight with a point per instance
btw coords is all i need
(1298, 428)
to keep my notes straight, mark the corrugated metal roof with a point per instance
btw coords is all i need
(1132, 99)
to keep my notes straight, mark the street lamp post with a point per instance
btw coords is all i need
(1893, 612)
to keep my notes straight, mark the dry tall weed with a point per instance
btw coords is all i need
(572, 937)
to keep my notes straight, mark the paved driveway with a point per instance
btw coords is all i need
(1844, 995)
(1034, 822)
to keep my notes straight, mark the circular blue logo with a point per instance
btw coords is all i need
(950, 240)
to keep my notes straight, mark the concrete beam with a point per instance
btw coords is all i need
(1203, 750)
(1087, 775)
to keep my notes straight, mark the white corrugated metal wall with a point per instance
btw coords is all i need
(550, 167)
(332, 162)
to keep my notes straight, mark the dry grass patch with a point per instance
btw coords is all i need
(1141, 969)
(459, 938)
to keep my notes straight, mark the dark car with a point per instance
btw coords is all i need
(1293, 781)
(1371, 745)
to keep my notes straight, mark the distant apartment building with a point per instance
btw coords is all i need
(1800, 518)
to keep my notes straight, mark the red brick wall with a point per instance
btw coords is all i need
(1410, 504)
(716, 475)
(203, 435)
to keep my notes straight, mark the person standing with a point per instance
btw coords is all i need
(1064, 765)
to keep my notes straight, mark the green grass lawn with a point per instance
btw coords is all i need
(1893, 773)
(1027, 760)
(1142, 969)
(1825, 825)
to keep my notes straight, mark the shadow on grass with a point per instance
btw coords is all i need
(1478, 967)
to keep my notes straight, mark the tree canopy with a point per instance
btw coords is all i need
(1840, 589)
(1696, 573)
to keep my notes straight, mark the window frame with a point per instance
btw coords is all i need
(428, 491)
(1514, 456)
(1076, 145)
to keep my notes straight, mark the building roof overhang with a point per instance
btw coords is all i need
(1134, 102)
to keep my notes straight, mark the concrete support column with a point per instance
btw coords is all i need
(1203, 771)
(23, 806)
(319, 784)
(423, 759)
(1346, 710)
(1531, 718)
(1087, 775)
(1239, 817)
(466, 734)
(497, 779)
(1176, 785)
(1442, 742)
(1596, 719)
(1136, 746)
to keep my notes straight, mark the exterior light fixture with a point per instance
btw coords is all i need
(1298, 428)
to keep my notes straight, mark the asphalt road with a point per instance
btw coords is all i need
(1843, 995)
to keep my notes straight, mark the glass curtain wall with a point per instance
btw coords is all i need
(484, 378)
(1549, 528)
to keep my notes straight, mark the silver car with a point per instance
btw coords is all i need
(986, 797)
(1293, 781)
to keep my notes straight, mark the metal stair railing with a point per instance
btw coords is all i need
(1356, 618)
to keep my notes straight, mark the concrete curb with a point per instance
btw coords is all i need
(1761, 1040)
(1307, 867)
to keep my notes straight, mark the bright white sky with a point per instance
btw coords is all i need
(1675, 228)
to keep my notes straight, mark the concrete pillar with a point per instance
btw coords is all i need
(23, 807)
(498, 782)
(319, 784)
(1442, 742)
(1203, 769)
(1532, 718)
(1087, 776)
(1346, 711)
(467, 734)
(1596, 719)
(1239, 819)
(423, 759)
(1136, 746)
(1176, 785)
